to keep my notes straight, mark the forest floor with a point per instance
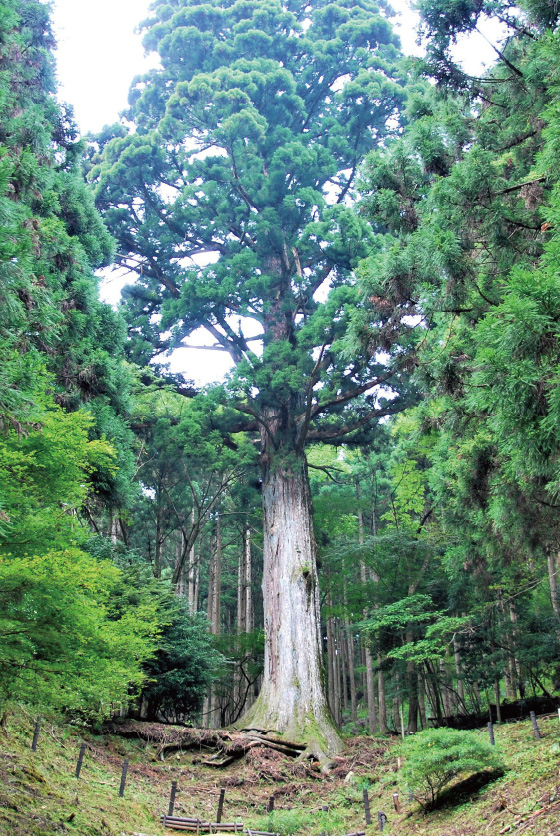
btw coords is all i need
(40, 795)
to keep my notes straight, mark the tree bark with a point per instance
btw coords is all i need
(193, 572)
(342, 645)
(381, 695)
(241, 612)
(351, 672)
(459, 674)
(248, 584)
(421, 701)
(412, 683)
(553, 582)
(369, 674)
(330, 665)
(181, 587)
(370, 686)
(215, 614)
(217, 596)
(292, 699)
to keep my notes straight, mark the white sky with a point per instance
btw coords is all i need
(98, 55)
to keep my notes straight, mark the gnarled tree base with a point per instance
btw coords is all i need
(222, 747)
(318, 736)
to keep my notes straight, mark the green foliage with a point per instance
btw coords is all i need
(469, 198)
(44, 481)
(61, 643)
(434, 758)
(179, 674)
(275, 131)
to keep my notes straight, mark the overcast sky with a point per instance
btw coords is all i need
(99, 53)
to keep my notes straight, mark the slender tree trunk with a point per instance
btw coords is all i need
(181, 587)
(421, 701)
(370, 680)
(248, 584)
(396, 701)
(157, 547)
(435, 697)
(292, 699)
(369, 675)
(412, 683)
(193, 569)
(342, 644)
(114, 528)
(381, 695)
(514, 666)
(210, 600)
(351, 672)
(445, 693)
(497, 699)
(215, 718)
(517, 672)
(208, 709)
(241, 613)
(459, 673)
(553, 582)
(217, 597)
(330, 664)
(333, 672)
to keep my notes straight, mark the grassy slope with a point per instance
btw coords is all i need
(39, 795)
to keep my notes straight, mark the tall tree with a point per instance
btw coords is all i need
(230, 204)
(470, 195)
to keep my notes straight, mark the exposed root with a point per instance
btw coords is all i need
(227, 746)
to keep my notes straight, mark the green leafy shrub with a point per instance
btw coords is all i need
(433, 758)
(182, 669)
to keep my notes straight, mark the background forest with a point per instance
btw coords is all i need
(413, 351)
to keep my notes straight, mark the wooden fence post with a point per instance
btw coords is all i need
(80, 759)
(172, 798)
(220, 806)
(491, 733)
(123, 777)
(535, 727)
(366, 806)
(36, 735)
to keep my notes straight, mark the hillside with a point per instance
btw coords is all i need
(40, 795)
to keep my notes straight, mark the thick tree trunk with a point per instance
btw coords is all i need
(292, 699)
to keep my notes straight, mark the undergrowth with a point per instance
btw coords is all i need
(40, 795)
